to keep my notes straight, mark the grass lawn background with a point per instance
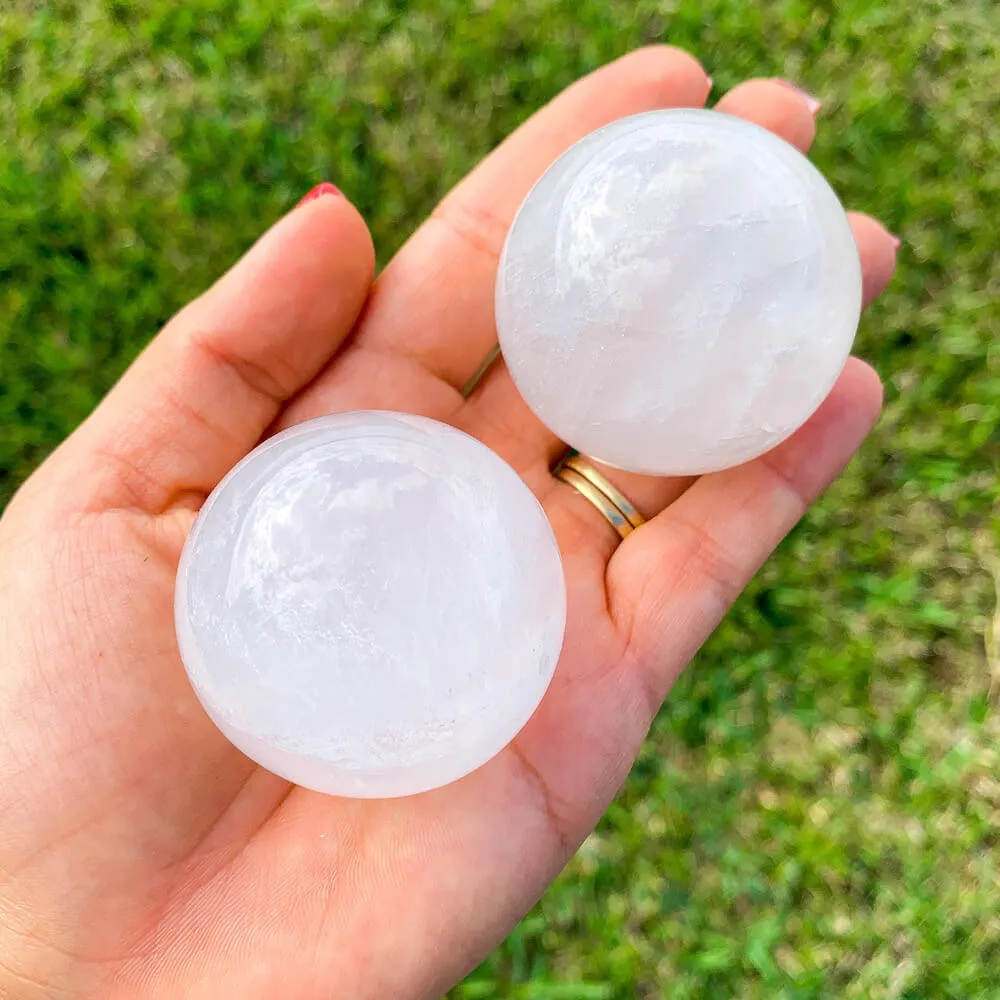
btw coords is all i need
(816, 812)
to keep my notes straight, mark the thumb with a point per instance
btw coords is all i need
(207, 387)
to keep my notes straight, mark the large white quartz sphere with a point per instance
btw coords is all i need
(371, 604)
(678, 293)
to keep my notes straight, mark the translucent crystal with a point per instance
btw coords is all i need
(371, 604)
(678, 293)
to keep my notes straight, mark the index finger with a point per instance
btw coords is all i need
(433, 304)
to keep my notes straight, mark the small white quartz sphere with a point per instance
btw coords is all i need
(678, 293)
(371, 604)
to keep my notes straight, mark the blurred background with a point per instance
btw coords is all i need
(817, 810)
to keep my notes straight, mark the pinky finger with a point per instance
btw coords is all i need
(671, 582)
(877, 249)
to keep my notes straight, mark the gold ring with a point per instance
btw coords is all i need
(579, 464)
(577, 472)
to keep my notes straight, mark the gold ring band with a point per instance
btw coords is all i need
(587, 489)
(579, 464)
(577, 472)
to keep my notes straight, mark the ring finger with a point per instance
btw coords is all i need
(496, 413)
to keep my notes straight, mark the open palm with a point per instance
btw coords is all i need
(143, 856)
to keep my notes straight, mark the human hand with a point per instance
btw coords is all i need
(141, 855)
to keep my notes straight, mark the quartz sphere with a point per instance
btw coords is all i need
(678, 293)
(371, 604)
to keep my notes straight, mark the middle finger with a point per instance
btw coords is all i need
(495, 411)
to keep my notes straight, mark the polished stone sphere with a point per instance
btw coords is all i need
(371, 604)
(678, 293)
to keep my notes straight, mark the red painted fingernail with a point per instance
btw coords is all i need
(321, 189)
(812, 103)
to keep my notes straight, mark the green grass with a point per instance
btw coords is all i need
(816, 812)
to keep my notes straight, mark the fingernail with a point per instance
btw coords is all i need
(896, 241)
(711, 83)
(812, 103)
(321, 189)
